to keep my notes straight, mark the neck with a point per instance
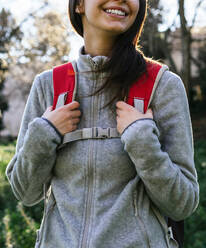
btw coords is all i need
(98, 44)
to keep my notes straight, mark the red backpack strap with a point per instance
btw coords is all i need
(64, 82)
(142, 91)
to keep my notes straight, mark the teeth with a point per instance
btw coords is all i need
(115, 11)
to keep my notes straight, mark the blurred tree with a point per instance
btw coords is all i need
(151, 40)
(202, 71)
(186, 47)
(186, 43)
(186, 40)
(45, 45)
(10, 33)
(48, 44)
(199, 82)
(3, 102)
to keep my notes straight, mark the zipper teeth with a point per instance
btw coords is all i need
(88, 205)
(89, 195)
(142, 225)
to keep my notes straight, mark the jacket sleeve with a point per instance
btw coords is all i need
(162, 150)
(35, 153)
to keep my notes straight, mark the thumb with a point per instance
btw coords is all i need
(49, 109)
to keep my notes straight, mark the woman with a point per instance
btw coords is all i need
(107, 192)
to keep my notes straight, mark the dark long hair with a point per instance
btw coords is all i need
(126, 62)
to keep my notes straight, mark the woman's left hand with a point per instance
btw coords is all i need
(126, 114)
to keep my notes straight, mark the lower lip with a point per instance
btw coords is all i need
(114, 15)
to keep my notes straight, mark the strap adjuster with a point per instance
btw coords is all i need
(90, 133)
(101, 133)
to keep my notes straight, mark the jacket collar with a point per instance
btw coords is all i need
(87, 63)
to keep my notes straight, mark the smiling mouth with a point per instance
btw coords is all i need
(116, 12)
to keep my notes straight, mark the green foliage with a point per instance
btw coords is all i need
(18, 224)
(195, 226)
(18, 230)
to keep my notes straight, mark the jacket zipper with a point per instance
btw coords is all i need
(142, 225)
(90, 186)
(89, 201)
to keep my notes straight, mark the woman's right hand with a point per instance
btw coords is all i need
(64, 118)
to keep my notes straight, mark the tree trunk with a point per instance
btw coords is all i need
(186, 48)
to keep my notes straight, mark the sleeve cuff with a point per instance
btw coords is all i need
(134, 122)
(51, 124)
(139, 132)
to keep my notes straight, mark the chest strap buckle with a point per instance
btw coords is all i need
(101, 133)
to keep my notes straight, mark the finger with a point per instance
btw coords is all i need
(120, 104)
(75, 113)
(74, 127)
(124, 106)
(73, 105)
(75, 121)
(117, 111)
(149, 111)
(49, 109)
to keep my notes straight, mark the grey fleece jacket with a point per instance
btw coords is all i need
(107, 193)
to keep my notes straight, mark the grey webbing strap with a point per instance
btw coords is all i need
(61, 99)
(90, 133)
(139, 104)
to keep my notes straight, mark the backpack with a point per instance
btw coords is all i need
(140, 96)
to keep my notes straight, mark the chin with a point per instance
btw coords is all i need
(115, 30)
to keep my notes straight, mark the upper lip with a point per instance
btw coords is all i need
(117, 8)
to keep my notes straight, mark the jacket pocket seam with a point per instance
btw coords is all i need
(48, 208)
(138, 217)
